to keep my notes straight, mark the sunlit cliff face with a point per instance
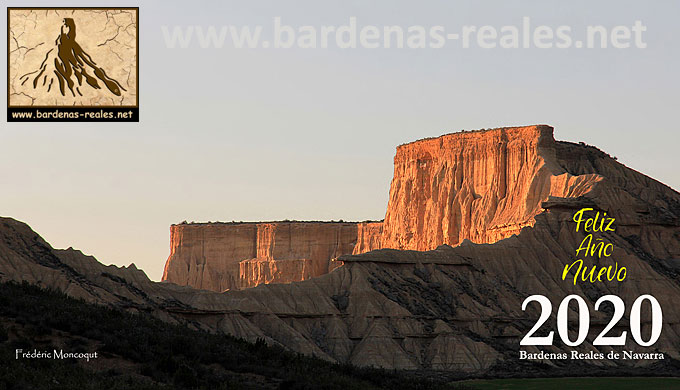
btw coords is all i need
(479, 186)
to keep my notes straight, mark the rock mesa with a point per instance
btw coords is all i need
(232, 256)
(482, 186)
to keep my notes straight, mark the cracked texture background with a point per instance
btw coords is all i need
(108, 36)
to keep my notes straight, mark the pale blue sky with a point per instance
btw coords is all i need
(310, 134)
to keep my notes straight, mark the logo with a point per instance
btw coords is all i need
(73, 64)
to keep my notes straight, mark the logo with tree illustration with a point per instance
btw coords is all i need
(73, 57)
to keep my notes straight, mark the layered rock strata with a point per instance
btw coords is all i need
(232, 256)
(482, 186)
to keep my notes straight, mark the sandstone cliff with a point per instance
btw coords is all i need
(482, 186)
(451, 308)
(368, 237)
(231, 256)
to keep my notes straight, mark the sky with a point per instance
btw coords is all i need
(309, 134)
